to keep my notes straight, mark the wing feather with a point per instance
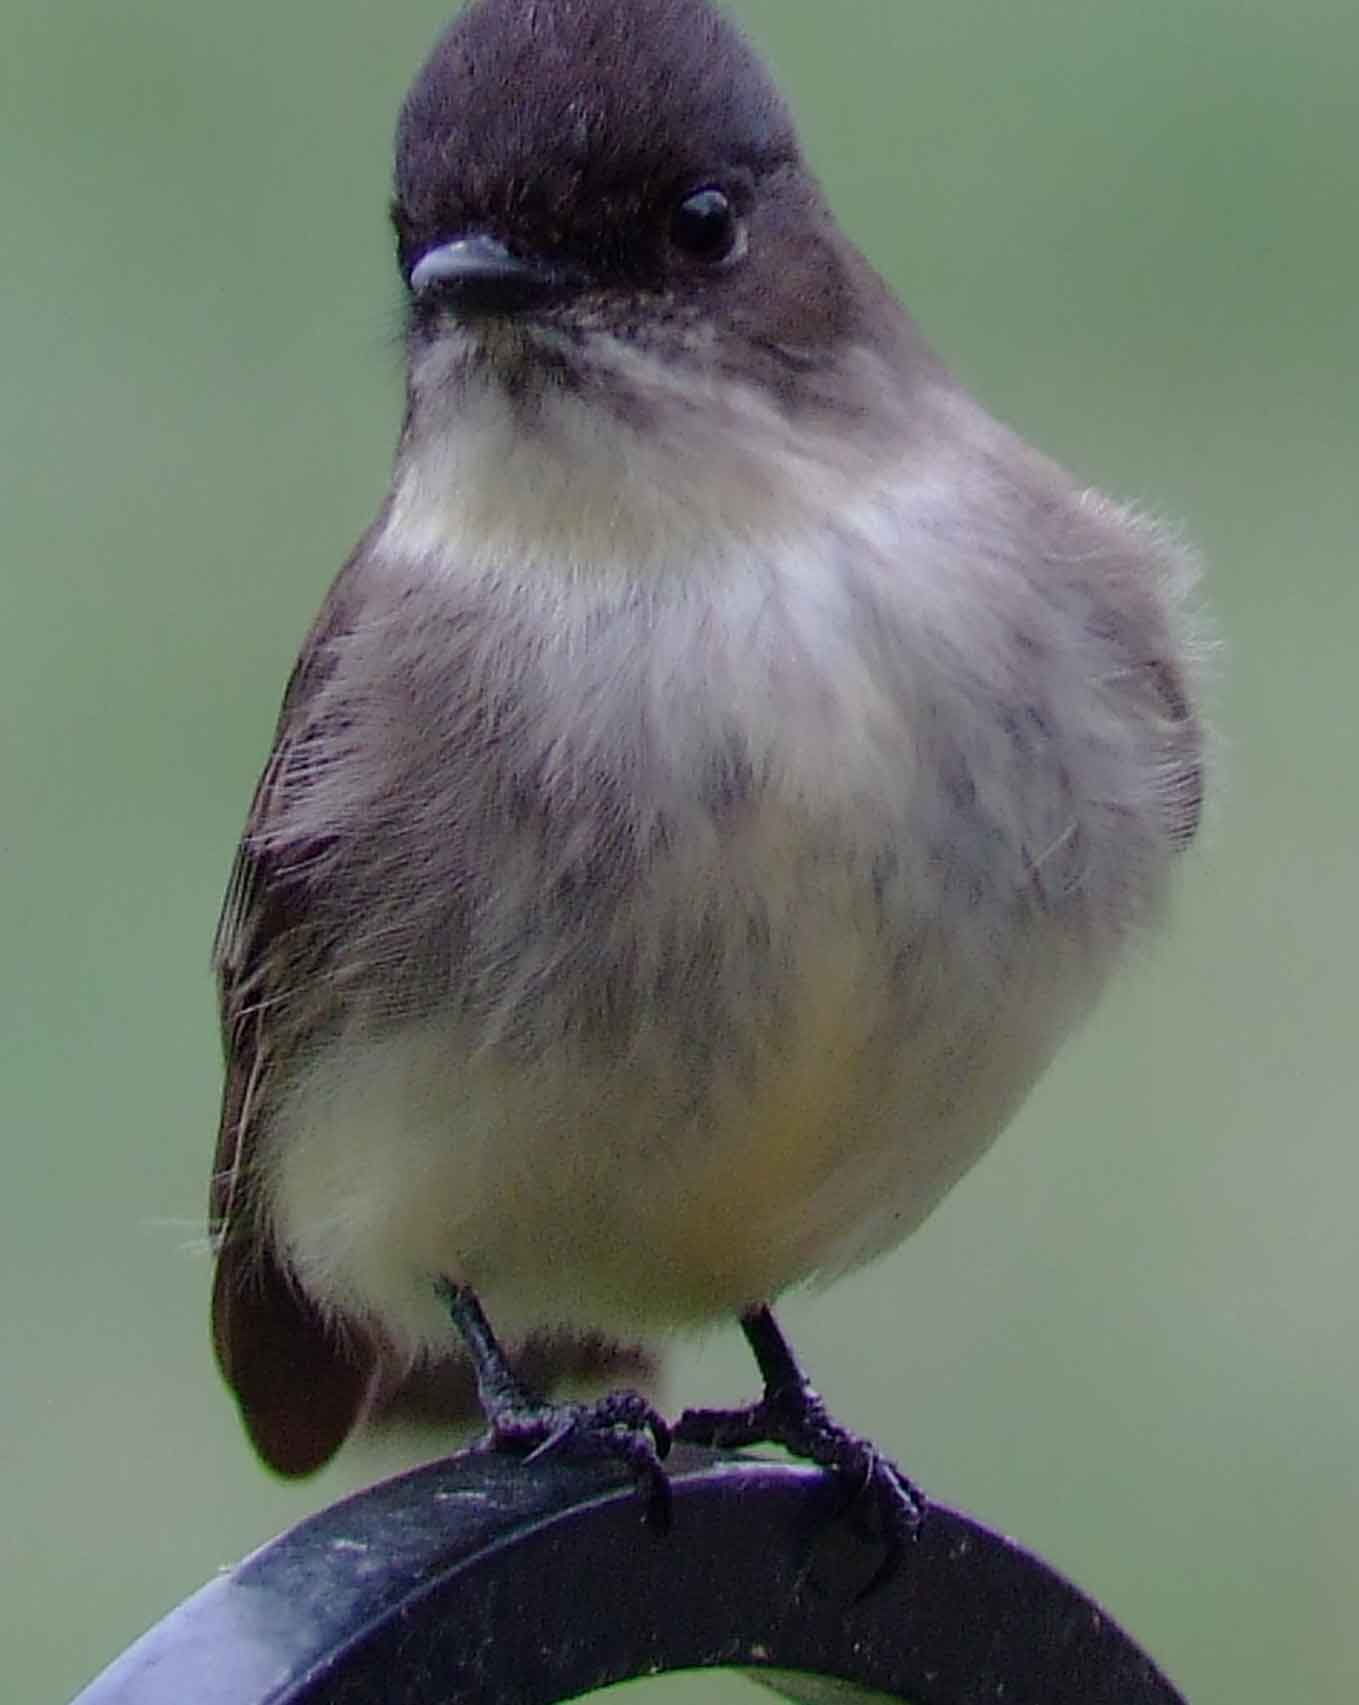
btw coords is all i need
(302, 1381)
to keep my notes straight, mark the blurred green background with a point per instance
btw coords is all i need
(1130, 1337)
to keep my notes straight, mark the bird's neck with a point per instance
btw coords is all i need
(569, 481)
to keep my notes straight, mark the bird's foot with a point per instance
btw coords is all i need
(622, 1427)
(793, 1415)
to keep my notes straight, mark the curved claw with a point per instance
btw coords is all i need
(794, 1416)
(899, 1509)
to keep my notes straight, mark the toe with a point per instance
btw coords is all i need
(631, 1411)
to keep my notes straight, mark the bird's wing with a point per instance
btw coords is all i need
(1186, 741)
(302, 1381)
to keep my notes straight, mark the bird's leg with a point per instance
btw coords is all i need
(792, 1414)
(621, 1425)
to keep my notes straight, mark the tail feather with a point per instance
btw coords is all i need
(302, 1387)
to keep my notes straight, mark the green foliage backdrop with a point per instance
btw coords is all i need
(1130, 1337)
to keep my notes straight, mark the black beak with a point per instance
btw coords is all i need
(478, 275)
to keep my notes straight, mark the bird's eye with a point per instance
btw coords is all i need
(705, 226)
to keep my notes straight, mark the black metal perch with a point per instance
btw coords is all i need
(481, 1579)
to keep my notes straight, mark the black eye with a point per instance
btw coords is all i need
(704, 225)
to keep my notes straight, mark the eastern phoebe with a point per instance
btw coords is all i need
(722, 775)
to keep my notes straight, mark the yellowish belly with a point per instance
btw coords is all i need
(744, 1218)
(588, 1195)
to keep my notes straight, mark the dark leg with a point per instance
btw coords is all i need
(622, 1425)
(793, 1415)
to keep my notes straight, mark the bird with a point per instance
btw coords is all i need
(729, 766)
